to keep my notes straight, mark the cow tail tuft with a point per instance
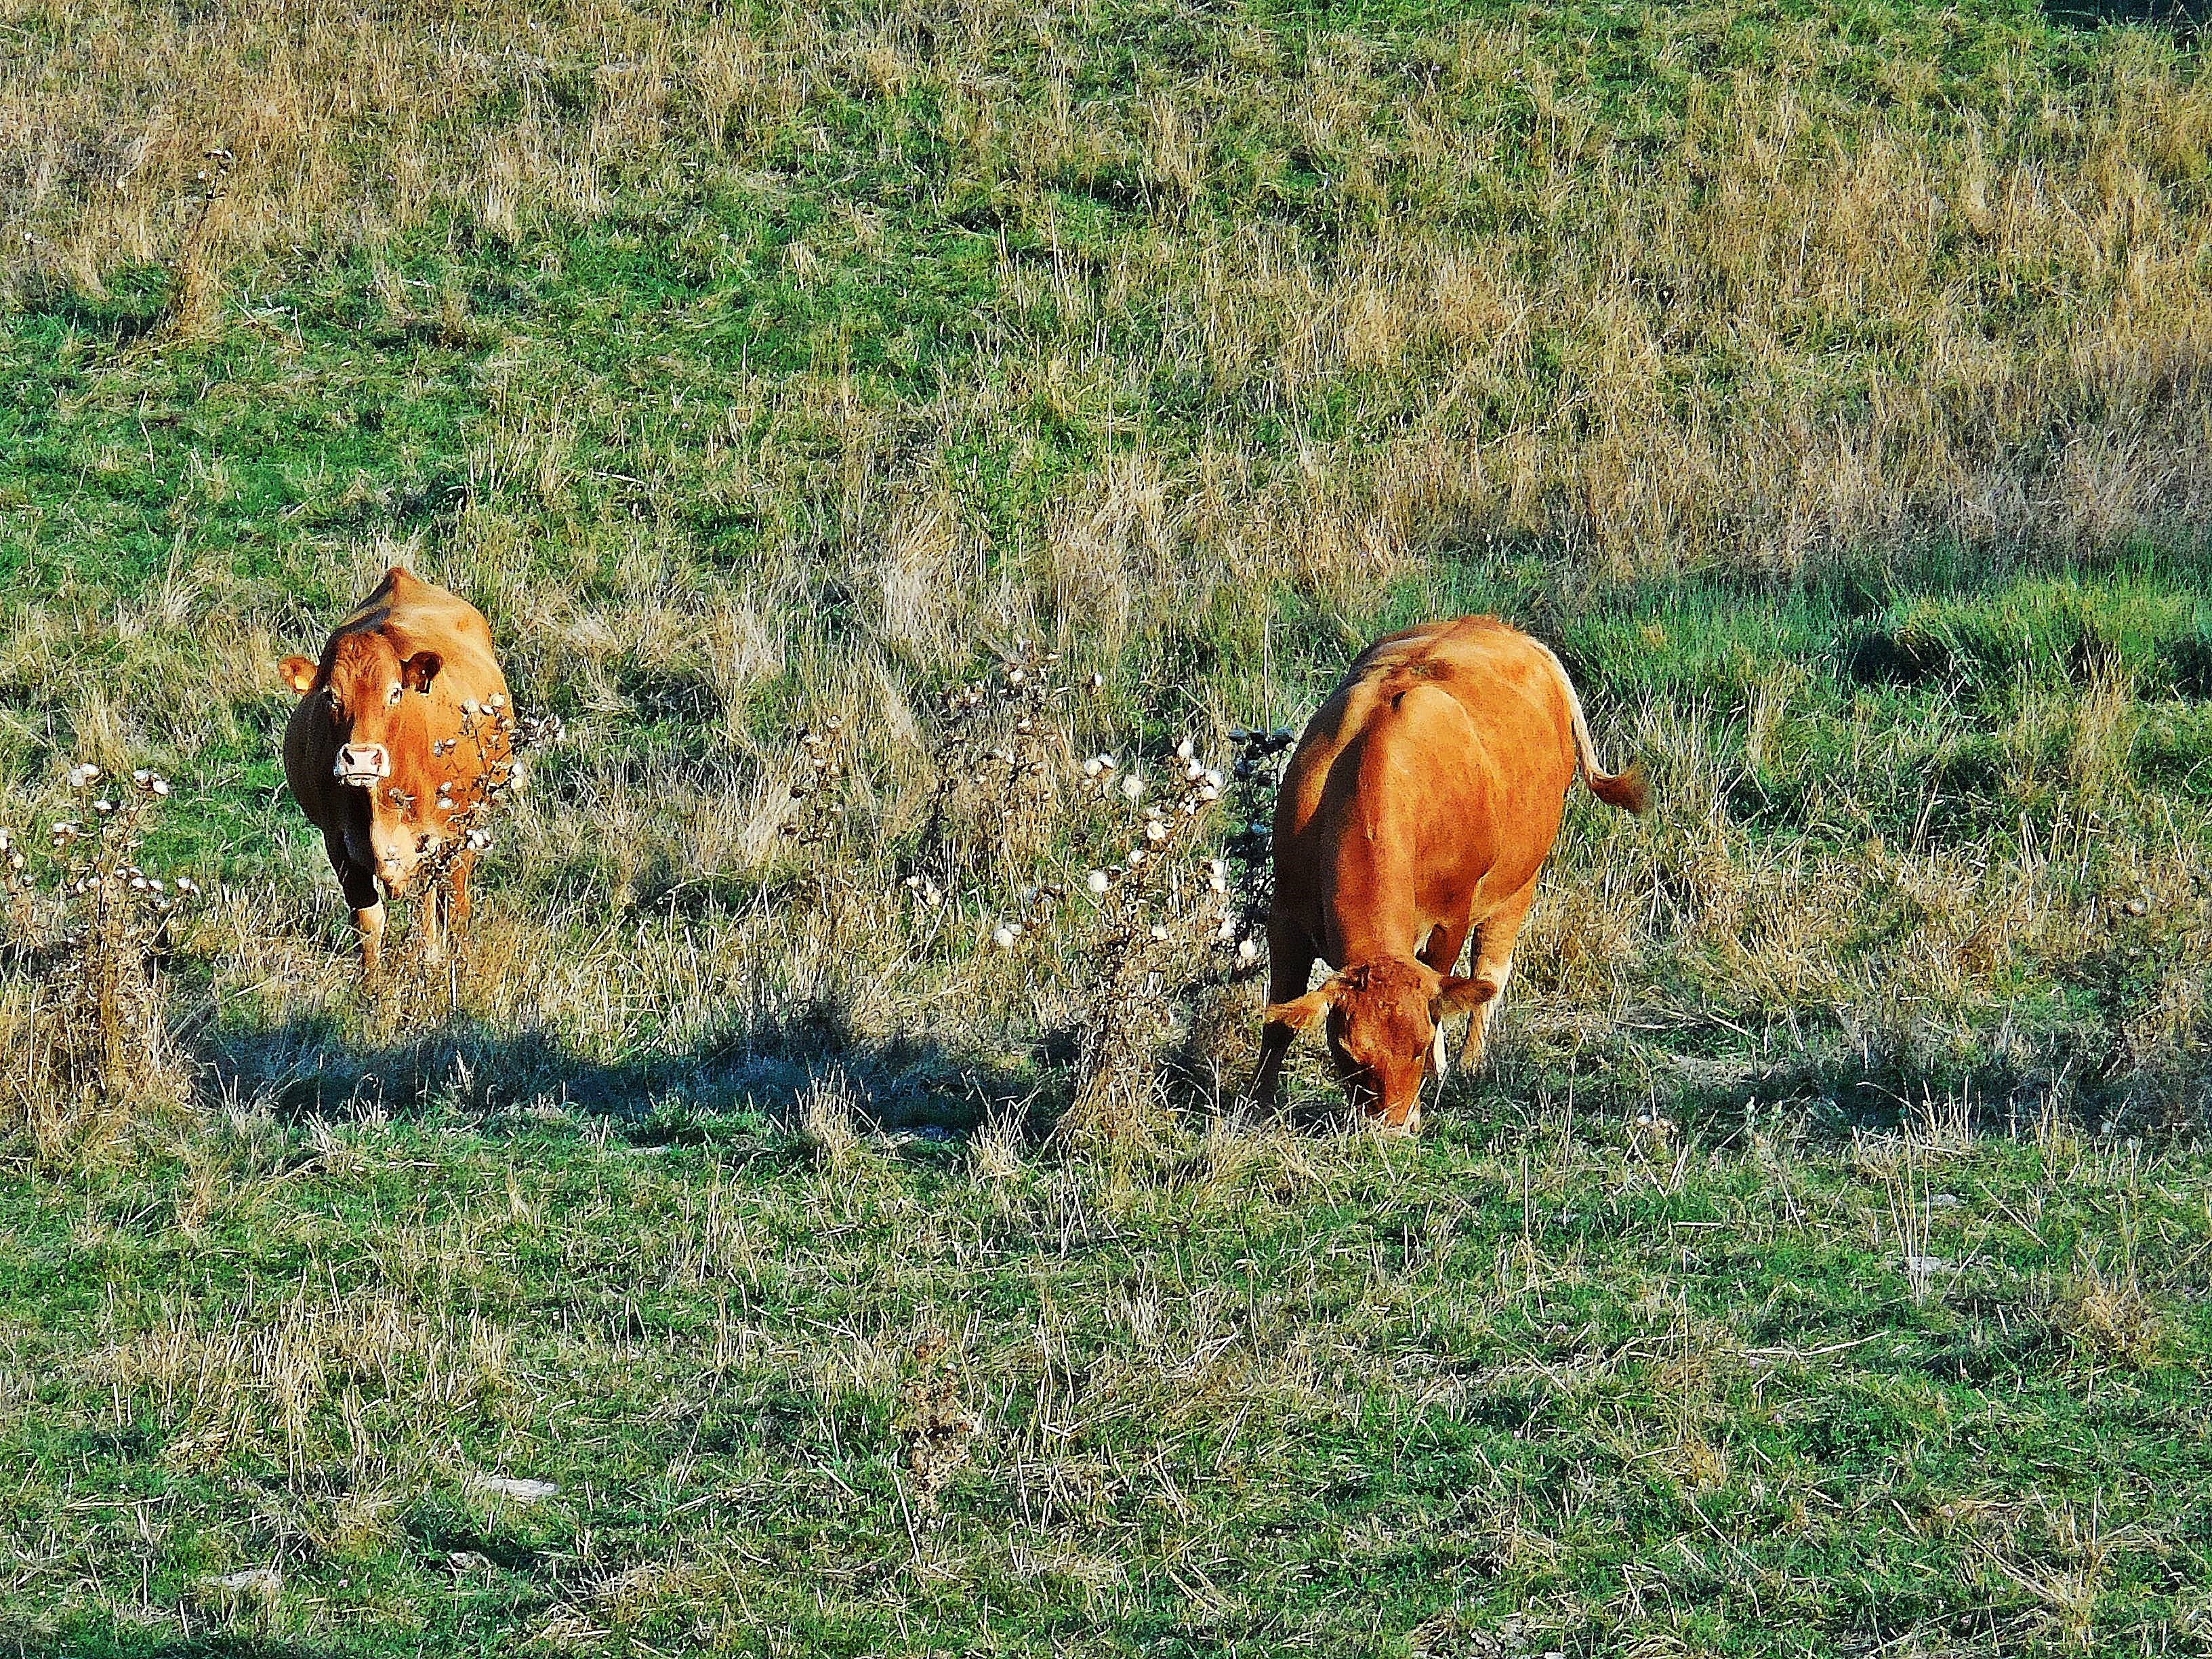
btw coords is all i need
(1625, 789)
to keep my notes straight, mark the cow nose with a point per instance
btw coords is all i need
(362, 764)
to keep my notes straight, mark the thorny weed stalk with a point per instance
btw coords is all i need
(1001, 753)
(1157, 906)
(1169, 920)
(195, 303)
(818, 809)
(499, 738)
(815, 820)
(96, 1052)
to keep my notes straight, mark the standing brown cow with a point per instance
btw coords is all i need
(1417, 811)
(398, 730)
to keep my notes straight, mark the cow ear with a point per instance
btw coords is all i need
(297, 672)
(419, 669)
(1302, 1012)
(1459, 995)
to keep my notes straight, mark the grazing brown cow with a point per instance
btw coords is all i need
(1418, 807)
(398, 730)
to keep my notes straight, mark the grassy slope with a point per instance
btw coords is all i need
(1820, 377)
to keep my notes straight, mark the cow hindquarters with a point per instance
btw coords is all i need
(1493, 968)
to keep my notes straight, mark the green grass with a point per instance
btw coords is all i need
(1278, 1392)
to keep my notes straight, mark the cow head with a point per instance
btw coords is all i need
(377, 703)
(1385, 1031)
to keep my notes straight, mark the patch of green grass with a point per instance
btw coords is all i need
(1524, 1377)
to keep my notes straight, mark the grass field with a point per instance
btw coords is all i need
(1821, 1263)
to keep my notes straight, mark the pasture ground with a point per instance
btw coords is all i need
(1821, 1266)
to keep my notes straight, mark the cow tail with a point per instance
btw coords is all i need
(1625, 789)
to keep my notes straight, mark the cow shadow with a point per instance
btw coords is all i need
(755, 1069)
(19, 1641)
(2185, 18)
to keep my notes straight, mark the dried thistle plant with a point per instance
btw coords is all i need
(195, 303)
(97, 1050)
(1158, 907)
(817, 805)
(1256, 777)
(1001, 755)
(499, 737)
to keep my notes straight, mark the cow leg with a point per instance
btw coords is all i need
(1290, 963)
(1493, 964)
(456, 896)
(432, 914)
(1442, 952)
(364, 899)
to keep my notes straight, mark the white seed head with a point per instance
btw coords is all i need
(159, 785)
(1155, 832)
(1003, 938)
(1098, 682)
(1185, 750)
(103, 805)
(1133, 786)
(1097, 881)
(83, 774)
(1160, 933)
(1136, 856)
(1227, 930)
(1248, 951)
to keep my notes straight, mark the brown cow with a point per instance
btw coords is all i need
(1418, 807)
(399, 731)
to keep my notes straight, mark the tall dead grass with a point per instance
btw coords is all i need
(1806, 318)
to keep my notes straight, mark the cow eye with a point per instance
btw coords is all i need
(394, 697)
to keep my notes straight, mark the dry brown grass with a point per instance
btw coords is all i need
(1774, 241)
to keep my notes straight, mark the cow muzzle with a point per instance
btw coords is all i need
(362, 765)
